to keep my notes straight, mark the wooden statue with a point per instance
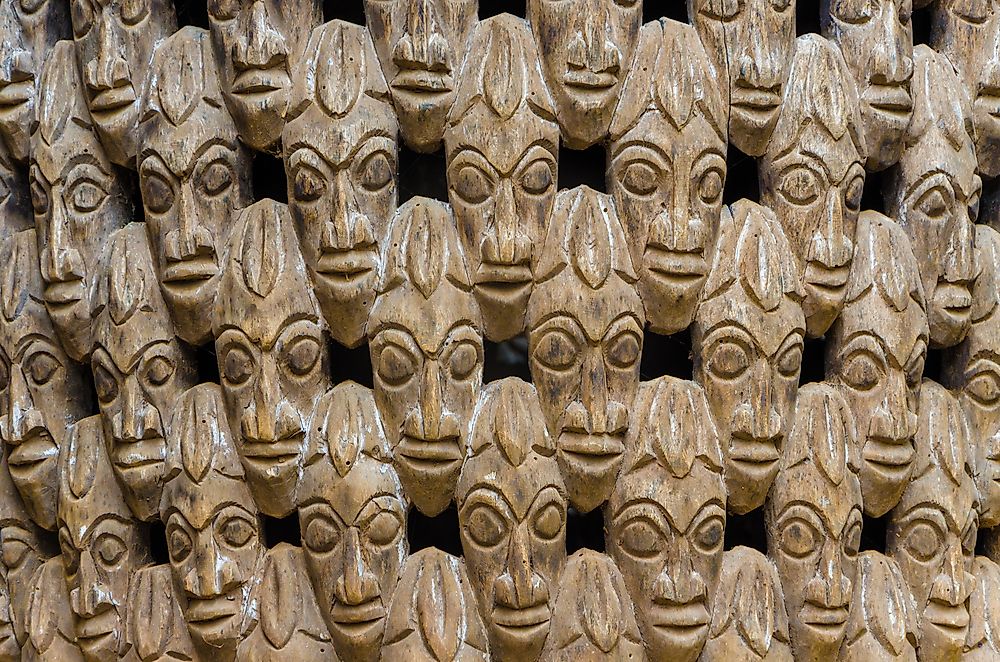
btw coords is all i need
(47, 390)
(750, 44)
(875, 352)
(667, 515)
(426, 349)
(667, 169)
(593, 619)
(16, 213)
(502, 150)
(812, 175)
(749, 623)
(884, 624)
(140, 368)
(102, 543)
(422, 45)
(747, 339)
(352, 515)
(78, 199)
(983, 642)
(10, 647)
(814, 522)
(115, 40)
(257, 47)
(932, 532)
(271, 350)
(876, 40)
(933, 193)
(587, 47)
(194, 175)
(585, 321)
(512, 514)
(156, 629)
(433, 616)
(51, 631)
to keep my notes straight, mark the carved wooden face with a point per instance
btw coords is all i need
(883, 624)
(115, 40)
(422, 46)
(51, 633)
(157, 630)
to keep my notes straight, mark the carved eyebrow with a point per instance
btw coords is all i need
(84, 159)
(641, 145)
(98, 526)
(798, 506)
(363, 139)
(926, 178)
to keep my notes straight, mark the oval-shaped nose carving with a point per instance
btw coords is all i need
(261, 45)
(357, 585)
(423, 44)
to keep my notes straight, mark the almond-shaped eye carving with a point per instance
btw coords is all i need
(179, 543)
(134, 11)
(790, 360)
(82, 15)
(984, 388)
(935, 204)
(463, 360)
(376, 171)
(710, 185)
(216, 178)
(641, 538)
(486, 526)
(223, 10)
(236, 531)
(309, 184)
(109, 549)
(721, 10)
(709, 534)
(862, 370)
(13, 552)
(799, 185)
(852, 541)
(302, 355)
(383, 529)
(623, 350)
(548, 521)
(321, 534)
(396, 365)
(157, 193)
(798, 538)
(105, 384)
(852, 195)
(641, 177)
(238, 365)
(157, 371)
(557, 350)
(472, 185)
(537, 177)
(728, 360)
(852, 11)
(85, 196)
(922, 540)
(71, 557)
(40, 367)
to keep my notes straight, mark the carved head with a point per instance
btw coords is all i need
(933, 193)
(46, 392)
(157, 632)
(512, 514)
(814, 521)
(102, 543)
(667, 168)
(140, 369)
(884, 624)
(212, 523)
(502, 148)
(422, 46)
(78, 199)
(340, 157)
(932, 532)
(812, 175)
(10, 648)
(51, 624)
(585, 321)
(433, 616)
(352, 514)
(875, 352)
(272, 352)
(983, 642)
(257, 44)
(751, 44)
(587, 47)
(194, 175)
(115, 40)
(426, 345)
(667, 515)
(747, 338)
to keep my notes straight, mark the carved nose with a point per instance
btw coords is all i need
(430, 419)
(890, 65)
(424, 44)
(348, 227)
(959, 257)
(213, 574)
(678, 582)
(91, 597)
(953, 583)
(504, 243)
(893, 420)
(357, 585)
(676, 229)
(830, 245)
(138, 419)
(760, 61)
(519, 587)
(60, 260)
(17, 66)
(262, 46)
(109, 69)
(591, 49)
(190, 239)
(269, 417)
(757, 418)
(829, 587)
(22, 417)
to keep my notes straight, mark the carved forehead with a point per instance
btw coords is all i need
(199, 504)
(337, 140)
(428, 321)
(76, 144)
(348, 495)
(897, 332)
(503, 143)
(769, 330)
(565, 297)
(180, 147)
(682, 498)
(933, 153)
(956, 503)
(653, 132)
(518, 485)
(805, 484)
(815, 145)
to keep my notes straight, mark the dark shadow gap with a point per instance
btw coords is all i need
(269, 178)
(352, 12)
(873, 533)
(582, 167)
(354, 364)
(440, 531)
(158, 542)
(208, 364)
(741, 177)
(666, 355)
(282, 529)
(813, 356)
(584, 531)
(506, 359)
(747, 531)
(489, 8)
(421, 174)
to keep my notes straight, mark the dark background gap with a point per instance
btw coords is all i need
(421, 174)
(506, 359)
(813, 355)
(350, 364)
(352, 12)
(192, 12)
(873, 533)
(582, 167)
(282, 529)
(158, 542)
(208, 364)
(440, 531)
(269, 181)
(666, 355)
(584, 530)
(747, 531)
(741, 177)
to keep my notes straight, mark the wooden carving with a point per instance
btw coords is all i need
(983, 642)
(51, 631)
(512, 513)
(10, 647)
(194, 175)
(747, 339)
(812, 175)
(502, 149)
(933, 192)
(340, 157)
(884, 624)
(667, 169)
(426, 347)
(875, 352)
(156, 628)
(422, 45)
(16, 213)
(587, 47)
(585, 321)
(667, 515)
(115, 40)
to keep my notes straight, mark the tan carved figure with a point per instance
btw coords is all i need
(115, 40)
(16, 213)
(422, 45)
(814, 522)
(502, 150)
(932, 532)
(747, 339)
(156, 628)
(884, 624)
(51, 633)
(257, 46)
(667, 515)
(340, 158)
(47, 391)
(750, 44)
(433, 616)
(352, 515)
(426, 347)
(667, 169)
(585, 321)
(983, 642)
(140, 368)
(102, 543)
(875, 352)
(512, 513)
(812, 175)
(933, 193)
(10, 648)
(587, 47)
(272, 352)
(876, 40)
(194, 175)
(78, 200)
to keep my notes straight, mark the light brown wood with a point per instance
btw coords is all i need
(10, 648)
(884, 624)
(51, 634)
(156, 628)
(983, 642)
(16, 213)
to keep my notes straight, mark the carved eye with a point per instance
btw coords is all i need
(463, 360)
(780, 5)
(321, 534)
(710, 186)
(473, 185)
(238, 365)
(799, 538)
(158, 370)
(548, 522)
(157, 193)
(309, 184)
(852, 11)
(537, 178)
(39, 196)
(486, 526)
(82, 16)
(302, 355)
(935, 204)
(223, 10)
(41, 366)
(722, 10)
(14, 552)
(216, 178)
(71, 557)
(105, 384)
(862, 370)
(728, 360)
(790, 360)
(984, 388)
(799, 185)
(641, 538)
(709, 534)
(623, 350)
(556, 350)
(236, 531)
(852, 196)
(641, 177)
(376, 171)
(922, 540)
(134, 11)
(86, 195)
(852, 541)
(109, 549)
(383, 529)
(396, 365)
(180, 544)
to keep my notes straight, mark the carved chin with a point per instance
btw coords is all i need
(949, 314)
(504, 306)
(421, 118)
(676, 632)
(519, 633)
(429, 471)
(945, 628)
(98, 636)
(750, 470)
(589, 464)
(819, 631)
(216, 621)
(885, 471)
(357, 630)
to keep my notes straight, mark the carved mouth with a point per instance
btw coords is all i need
(680, 621)
(952, 620)
(954, 299)
(64, 293)
(16, 94)
(828, 622)
(675, 268)
(94, 632)
(829, 281)
(346, 267)
(890, 456)
(988, 101)
(208, 615)
(754, 456)
(590, 81)
(260, 82)
(506, 282)
(363, 615)
(522, 620)
(265, 455)
(759, 104)
(423, 81)
(108, 101)
(436, 455)
(187, 277)
(128, 454)
(891, 100)
(34, 450)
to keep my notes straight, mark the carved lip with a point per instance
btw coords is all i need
(954, 298)
(760, 103)
(429, 454)
(680, 620)
(211, 613)
(827, 279)
(197, 269)
(744, 450)
(512, 618)
(106, 101)
(92, 631)
(63, 292)
(593, 445)
(892, 456)
(584, 79)
(423, 81)
(260, 81)
(127, 454)
(272, 453)
(34, 449)
(354, 615)
(493, 273)
(892, 100)
(828, 621)
(953, 619)
(17, 93)
(346, 266)
(676, 267)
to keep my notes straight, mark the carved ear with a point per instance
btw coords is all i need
(282, 606)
